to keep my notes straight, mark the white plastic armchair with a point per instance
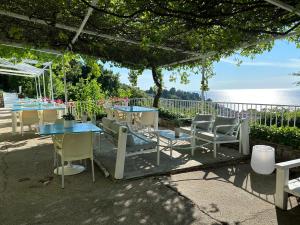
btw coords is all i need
(28, 117)
(76, 147)
(49, 116)
(146, 121)
(201, 122)
(284, 185)
(220, 134)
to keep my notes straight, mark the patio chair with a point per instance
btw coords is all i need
(224, 130)
(145, 121)
(284, 186)
(119, 116)
(110, 112)
(29, 118)
(129, 143)
(76, 147)
(49, 116)
(200, 122)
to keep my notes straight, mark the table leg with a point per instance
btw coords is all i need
(171, 148)
(14, 122)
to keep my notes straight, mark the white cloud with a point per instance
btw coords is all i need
(290, 63)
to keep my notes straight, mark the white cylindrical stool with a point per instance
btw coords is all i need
(263, 159)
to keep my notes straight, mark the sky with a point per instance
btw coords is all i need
(270, 70)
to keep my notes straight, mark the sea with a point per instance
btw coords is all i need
(260, 96)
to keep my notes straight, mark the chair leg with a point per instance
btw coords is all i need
(158, 156)
(193, 146)
(62, 174)
(22, 129)
(54, 158)
(215, 150)
(240, 147)
(93, 172)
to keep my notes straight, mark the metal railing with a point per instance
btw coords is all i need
(265, 114)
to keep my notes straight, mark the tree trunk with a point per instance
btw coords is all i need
(157, 78)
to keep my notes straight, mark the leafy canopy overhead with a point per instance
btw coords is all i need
(158, 32)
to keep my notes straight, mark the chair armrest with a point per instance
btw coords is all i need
(288, 164)
(221, 126)
(201, 122)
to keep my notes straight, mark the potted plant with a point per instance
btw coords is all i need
(69, 120)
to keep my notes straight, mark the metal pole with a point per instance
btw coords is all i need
(40, 91)
(36, 88)
(44, 84)
(51, 82)
(202, 81)
(65, 80)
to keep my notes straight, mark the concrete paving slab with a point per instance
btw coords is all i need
(235, 195)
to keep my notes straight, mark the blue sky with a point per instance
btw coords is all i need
(269, 70)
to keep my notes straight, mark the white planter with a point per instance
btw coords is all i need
(263, 159)
(68, 123)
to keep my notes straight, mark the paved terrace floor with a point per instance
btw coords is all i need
(31, 194)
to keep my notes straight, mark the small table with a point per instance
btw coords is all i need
(171, 139)
(55, 129)
(129, 110)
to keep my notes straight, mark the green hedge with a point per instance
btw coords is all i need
(289, 136)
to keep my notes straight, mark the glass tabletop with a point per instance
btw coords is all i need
(17, 108)
(170, 135)
(134, 109)
(51, 129)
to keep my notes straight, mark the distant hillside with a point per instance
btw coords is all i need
(176, 94)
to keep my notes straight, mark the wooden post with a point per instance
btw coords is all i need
(121, 153)
(282, 178)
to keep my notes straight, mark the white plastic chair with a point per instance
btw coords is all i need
(146, 121)
(28, 118)
(284, 185)
(76, 147)
(49, 116)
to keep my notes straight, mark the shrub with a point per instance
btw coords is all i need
(289, 136)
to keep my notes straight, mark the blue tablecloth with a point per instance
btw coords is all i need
(52, 129)
(134, 109)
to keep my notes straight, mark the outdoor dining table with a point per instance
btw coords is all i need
(129, 110)
(59, 129)
(16, 108)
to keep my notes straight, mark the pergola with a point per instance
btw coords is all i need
(147, 34)
(26, 69)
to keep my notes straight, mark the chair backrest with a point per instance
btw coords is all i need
(77, 146)
(119, 116)
(226, 121)
(30, 117)
(147, 118)
(59, 121)
(50, 116)
(109, 112)
(203, 117)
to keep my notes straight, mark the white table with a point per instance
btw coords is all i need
(169, 135)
